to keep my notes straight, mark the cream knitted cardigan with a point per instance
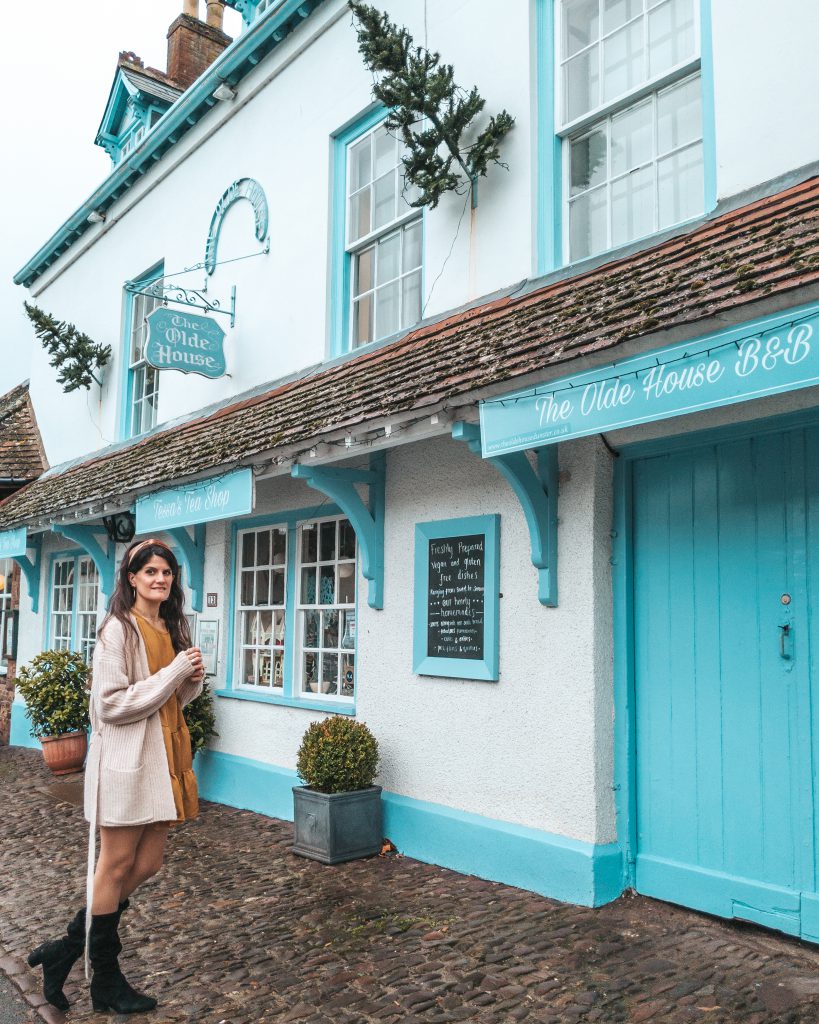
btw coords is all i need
(127, 781)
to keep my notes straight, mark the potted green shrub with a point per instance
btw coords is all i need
(55, 689)
(337, 813)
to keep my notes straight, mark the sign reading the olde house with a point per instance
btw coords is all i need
(181, 341)
(456, 598)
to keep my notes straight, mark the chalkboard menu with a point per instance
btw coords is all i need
(455, 597)
(457, 580)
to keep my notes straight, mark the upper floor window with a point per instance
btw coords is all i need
(74, 604)
(383, 240)
(631, 115)
(142, 385)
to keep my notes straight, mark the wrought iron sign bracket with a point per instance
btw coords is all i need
(368, 522)
(192, 550)
(192, 297)
(536, 491)
(30, 568)
(85, 537)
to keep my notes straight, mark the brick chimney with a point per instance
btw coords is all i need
(193, 45)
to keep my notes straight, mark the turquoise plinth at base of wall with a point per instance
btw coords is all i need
(20, 735)
(563, 869)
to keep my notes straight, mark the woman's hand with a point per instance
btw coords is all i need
(194, 656)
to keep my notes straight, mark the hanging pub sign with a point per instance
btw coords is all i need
(202, 502)
(765, 357)
(186, 342)
(457, 585)
(13, 543)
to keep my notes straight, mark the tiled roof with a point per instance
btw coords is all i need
(768, 248)
(21, 450)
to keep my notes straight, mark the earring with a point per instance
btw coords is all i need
(133, 593)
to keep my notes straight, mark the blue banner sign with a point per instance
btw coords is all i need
(765, 357)
(13, 543)
(202, 502)
(182, 341)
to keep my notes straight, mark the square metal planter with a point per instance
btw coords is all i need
(334, 827)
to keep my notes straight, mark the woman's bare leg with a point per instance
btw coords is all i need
(148, 860)
(118, 848)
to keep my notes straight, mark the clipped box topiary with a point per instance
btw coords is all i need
(337, 814)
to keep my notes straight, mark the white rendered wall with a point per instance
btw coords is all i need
(282, 136)
(766, 80)
(533, 748)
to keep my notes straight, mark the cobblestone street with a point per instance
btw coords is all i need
(237, 929)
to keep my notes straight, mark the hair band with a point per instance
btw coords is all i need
(144, 544)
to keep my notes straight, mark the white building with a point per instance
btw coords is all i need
(628, 704)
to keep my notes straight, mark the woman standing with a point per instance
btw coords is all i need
(139, 778)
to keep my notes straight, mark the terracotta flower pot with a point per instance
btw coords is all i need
(66, 753)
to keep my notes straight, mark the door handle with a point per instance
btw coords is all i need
(784, 633)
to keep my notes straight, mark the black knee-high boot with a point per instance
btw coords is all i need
(109, 987)
(58, 956)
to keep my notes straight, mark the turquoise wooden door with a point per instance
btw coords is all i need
(726, 566)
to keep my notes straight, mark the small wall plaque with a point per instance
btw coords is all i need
(212, 600)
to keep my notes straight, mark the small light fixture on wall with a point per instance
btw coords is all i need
(224, 92)
(120, 527)
(95, 217)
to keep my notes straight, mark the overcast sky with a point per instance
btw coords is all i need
(55, 75)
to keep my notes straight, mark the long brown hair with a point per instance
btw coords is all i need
(172, 610)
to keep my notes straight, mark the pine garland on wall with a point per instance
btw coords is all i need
(433, 116)
(73, 353)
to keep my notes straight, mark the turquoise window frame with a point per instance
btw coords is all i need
(340, 260)
(487, 668)
(550, 242)
(127, 381)
(291, 520)
(64, 555)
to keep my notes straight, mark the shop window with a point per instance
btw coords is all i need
(327, 608)
(630, 115)
(295, 611)
(261, 604)
(6, 618)
(142, 384)
(74, 602)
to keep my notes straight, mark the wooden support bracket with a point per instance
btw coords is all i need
(367, 521)
(31, 569)
(192, 551)
(536, 491)
(85, 537)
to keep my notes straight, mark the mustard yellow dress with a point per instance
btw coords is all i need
(175, 733)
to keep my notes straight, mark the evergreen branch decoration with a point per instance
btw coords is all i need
(72, 352)
(428, 110)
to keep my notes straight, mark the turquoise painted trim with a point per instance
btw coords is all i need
(290, 519)
(537, 493)
(31, 570)
(84, 537)
(709, 119)
(368, 523)
(549, 168)
(340, 261)
(233, 65)
(127, 376)
(242, 782)
(486, 668)
(220, 497)
(754, 359)
(192, 556)
(20, 734)
(288, 702)
(554, 866)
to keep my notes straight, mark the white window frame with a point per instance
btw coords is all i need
(305, 607)
(142, 305)
(571, 130)
(242, 610)
(353, 249)
(7, 573)
(83, 622)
